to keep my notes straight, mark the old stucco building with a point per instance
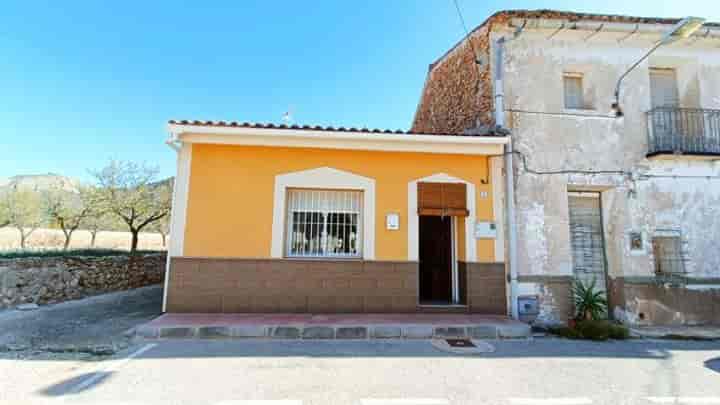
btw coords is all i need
(632, 201)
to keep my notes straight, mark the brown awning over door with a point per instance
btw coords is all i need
(442, 199)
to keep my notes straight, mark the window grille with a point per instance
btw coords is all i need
(324, 223)
(668, 256)
(573, 91)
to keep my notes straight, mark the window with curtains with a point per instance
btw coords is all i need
(324, 223)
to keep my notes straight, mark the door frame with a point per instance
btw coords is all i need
(454, 275)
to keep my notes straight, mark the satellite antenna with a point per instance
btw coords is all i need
(287, 116)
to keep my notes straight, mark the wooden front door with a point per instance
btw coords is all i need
(435, 259)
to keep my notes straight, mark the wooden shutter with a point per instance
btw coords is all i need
(663, 88)
(442, 199)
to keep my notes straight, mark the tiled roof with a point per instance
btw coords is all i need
(259, 125)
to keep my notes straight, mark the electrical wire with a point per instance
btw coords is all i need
(467, 33)
(570, 114)
(641, 176)
(527, 168)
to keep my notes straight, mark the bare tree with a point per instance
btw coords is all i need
(130, 191)
(100, 221)
(23, 211)
(67, 209)
(162, 227)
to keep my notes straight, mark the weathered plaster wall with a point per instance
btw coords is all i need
(634, 198)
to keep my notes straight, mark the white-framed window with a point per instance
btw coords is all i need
(324, 223)
(573, 89)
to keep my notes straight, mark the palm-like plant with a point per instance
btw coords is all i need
(590, 303)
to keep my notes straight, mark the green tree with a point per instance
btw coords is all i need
(22, 210)
(69, 210)
(131, 192)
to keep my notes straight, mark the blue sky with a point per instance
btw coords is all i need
(82, 82)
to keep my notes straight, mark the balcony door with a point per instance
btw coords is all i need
(665, 101)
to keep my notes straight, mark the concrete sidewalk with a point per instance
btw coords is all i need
(677, 332)
(333, 326)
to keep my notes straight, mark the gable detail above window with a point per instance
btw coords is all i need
(336, 184)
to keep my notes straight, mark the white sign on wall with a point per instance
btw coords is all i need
(485, 230)
(392, 221)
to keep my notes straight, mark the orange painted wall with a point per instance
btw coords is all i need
(230, 203)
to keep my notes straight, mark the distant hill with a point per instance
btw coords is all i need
(42, 182)
(39, 182)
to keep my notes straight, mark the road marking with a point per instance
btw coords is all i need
(102, 372)
(550, 401)
(405, 401)
(262, 402)
(684, 400)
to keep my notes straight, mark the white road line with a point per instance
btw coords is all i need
(262, 402)
(405, 401)
(684, 400)
(102, 372)
(550, 401)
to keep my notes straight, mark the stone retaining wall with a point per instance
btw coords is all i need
(46, 280)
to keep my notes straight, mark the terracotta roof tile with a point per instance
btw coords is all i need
(320, 128)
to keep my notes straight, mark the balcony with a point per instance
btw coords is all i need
(683, 131)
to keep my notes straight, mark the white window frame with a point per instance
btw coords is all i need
(359, 234)
(323, 178)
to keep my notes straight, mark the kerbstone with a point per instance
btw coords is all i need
(177, 332)
(354, 332)
(387, 332)
(418, 332)
(318, 332)
(286, 332)
(514, 331)
(449, 332)
(147, 332)
(483, 332)
(214, 332)
(250, 332)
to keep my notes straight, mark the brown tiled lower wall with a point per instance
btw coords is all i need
(277, 285)
(213, 285)
(651, 303)
(483, 289)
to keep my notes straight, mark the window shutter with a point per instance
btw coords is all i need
(663, 88)
(442, 199)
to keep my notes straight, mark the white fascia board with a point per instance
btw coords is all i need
(452, 144)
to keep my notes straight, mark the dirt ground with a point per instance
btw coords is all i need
(95, 325)
(54, 238)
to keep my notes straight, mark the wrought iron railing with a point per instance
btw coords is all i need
(683, 131)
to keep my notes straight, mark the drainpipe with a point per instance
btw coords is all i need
(172, 142)
(509, 177)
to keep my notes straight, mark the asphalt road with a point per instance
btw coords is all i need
(543, 371)
(98, 320)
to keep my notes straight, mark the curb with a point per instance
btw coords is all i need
(334, 332)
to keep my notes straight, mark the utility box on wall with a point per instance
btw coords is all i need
(528, 308)
(485, 230)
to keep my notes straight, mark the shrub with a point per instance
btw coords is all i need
(589, 302)
(18, 254)
(593, 330)
(566, 332)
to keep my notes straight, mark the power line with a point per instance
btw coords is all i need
(467, 33)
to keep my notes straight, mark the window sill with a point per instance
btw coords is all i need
(324, 259)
